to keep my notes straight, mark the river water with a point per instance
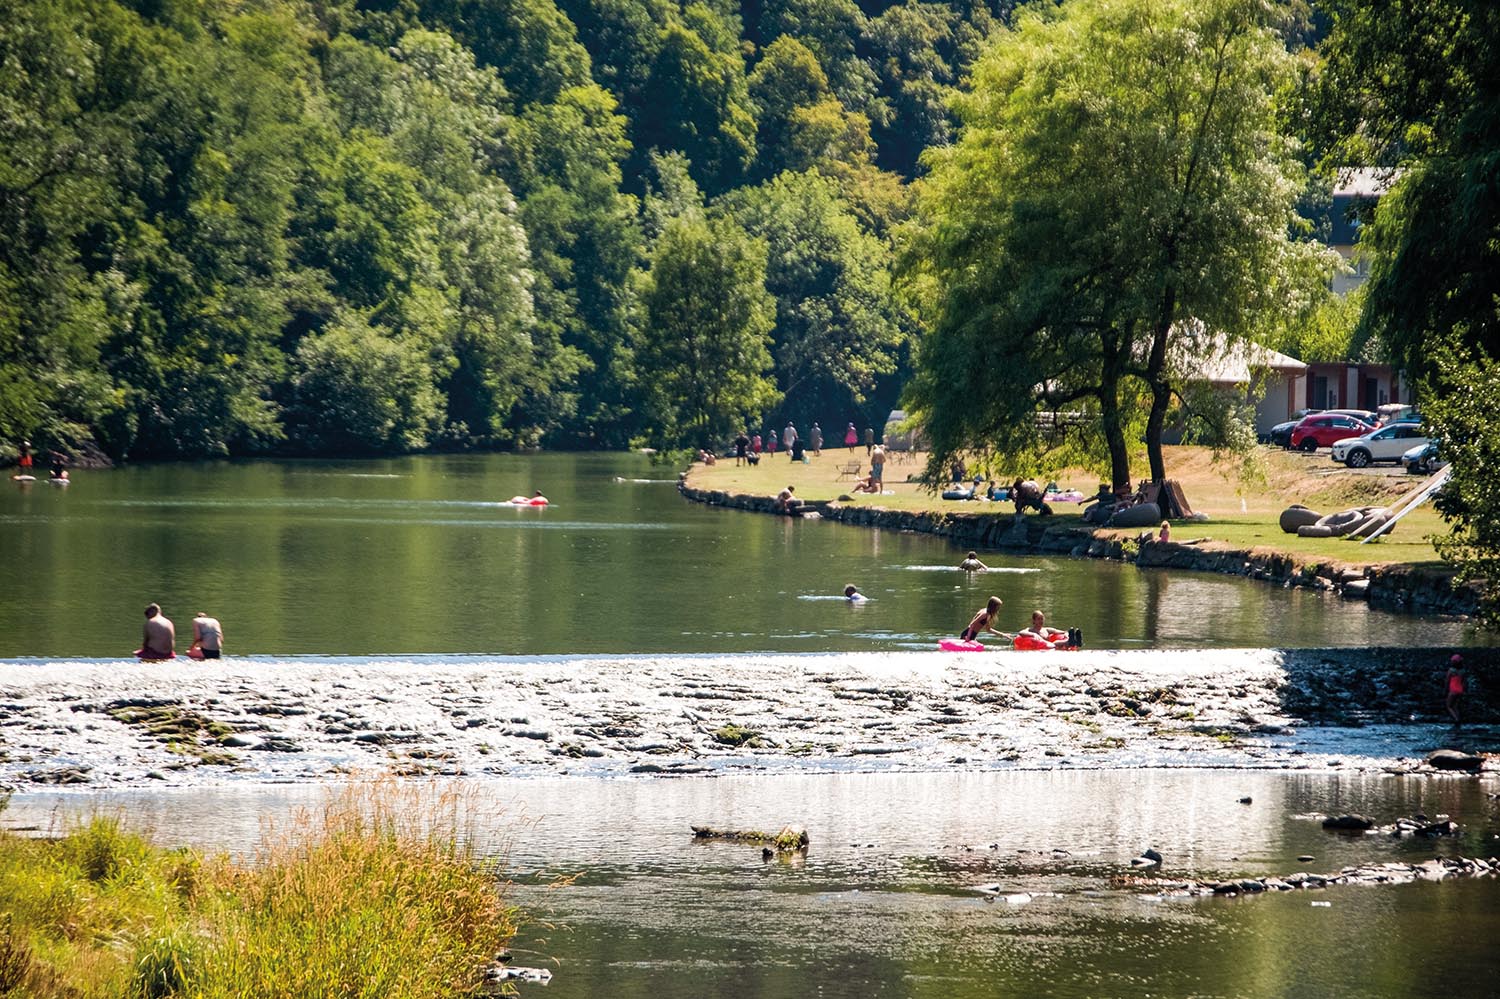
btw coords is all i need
(884, 903)
(624, 605)
(423, 555)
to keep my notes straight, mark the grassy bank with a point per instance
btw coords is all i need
(373, 895)
(1243, 511)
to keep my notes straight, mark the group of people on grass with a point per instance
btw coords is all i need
(748, 447)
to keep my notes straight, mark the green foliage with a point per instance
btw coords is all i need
(1329, 331)
(1417, 87)
(166, 966)
(357, 390)
(1460, 411)
(838, 324)
(1119, 203)
(707, 330)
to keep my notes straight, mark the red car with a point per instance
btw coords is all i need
(1322, 429)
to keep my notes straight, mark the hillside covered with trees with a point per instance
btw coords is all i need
(357, 226)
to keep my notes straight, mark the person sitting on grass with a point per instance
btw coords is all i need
(867, 485)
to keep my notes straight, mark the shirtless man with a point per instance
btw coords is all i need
(972, 563)
(984, 621)
(208, 636)
(1039, 630)
(158, 637)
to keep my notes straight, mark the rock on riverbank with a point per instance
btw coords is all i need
(99, 724)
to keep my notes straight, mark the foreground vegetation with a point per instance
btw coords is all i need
(375, 894)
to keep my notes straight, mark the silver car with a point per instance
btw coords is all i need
(1383, 444)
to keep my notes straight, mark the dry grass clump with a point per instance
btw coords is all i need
(376, 894)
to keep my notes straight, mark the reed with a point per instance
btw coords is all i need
(377, 893)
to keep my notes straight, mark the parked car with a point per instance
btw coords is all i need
(1423, 459)
(1383, 444)
(1322, 429)
(1281, 434)
(1362, 415)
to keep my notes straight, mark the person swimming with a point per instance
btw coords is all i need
(852, 594)
(984, 620)
(972, 563)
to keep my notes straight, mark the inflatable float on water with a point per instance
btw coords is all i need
(1023, 643)
(537, 500)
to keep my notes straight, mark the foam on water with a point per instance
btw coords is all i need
(953, 568)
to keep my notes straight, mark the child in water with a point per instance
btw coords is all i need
(984, 621)
(852, 594)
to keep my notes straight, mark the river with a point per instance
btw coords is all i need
(424, 555)
(377, 609)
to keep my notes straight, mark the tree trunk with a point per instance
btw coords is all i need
(1156, 377)
(1110, 373)
(1161, 398)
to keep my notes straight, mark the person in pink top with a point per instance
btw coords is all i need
(1455, 687)
(851, 438)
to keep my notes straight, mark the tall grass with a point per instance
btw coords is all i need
(377, 893)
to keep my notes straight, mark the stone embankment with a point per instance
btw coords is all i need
(1414, 589)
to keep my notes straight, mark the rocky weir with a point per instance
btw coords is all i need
(101, 724)
(1412, 589)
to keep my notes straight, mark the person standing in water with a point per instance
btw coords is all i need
(1455, 688)
(984, 620)
(208, 636)
(972, 563)
(158, 637)
(852, 594)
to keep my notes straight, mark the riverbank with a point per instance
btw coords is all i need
(1241, 537)
(96, 724)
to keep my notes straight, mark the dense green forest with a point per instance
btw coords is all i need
(254, 226)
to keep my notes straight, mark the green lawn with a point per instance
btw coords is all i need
(1240, 517)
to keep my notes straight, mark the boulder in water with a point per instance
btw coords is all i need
(1452, 759)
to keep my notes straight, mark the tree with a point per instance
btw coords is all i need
(1415, 88)
(704, 357)
(838, 324)
(698, 103)
(1121, 199)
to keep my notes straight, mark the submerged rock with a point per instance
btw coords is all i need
(789, 838)
(1354, 823)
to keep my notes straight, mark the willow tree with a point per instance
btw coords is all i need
(1121, 200)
